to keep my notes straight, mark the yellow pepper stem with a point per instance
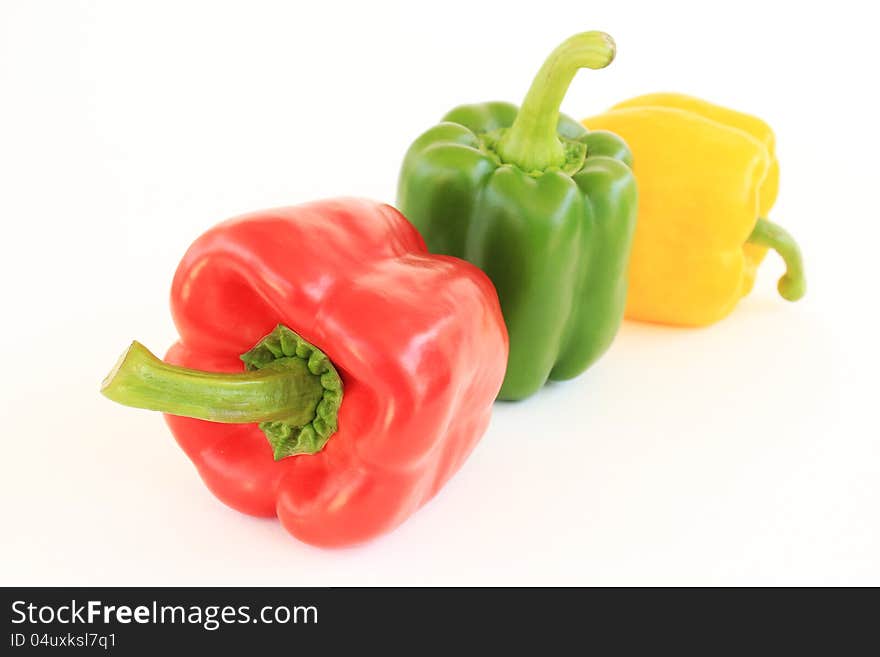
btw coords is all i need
(792, 285)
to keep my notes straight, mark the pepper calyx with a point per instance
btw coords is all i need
(290, 436)
(574, 154)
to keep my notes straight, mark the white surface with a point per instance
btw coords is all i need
(746, 453)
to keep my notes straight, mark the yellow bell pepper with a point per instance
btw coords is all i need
(707, 177)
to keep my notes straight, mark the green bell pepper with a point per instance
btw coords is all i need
(544, 207)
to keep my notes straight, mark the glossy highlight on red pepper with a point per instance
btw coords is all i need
(417, 339)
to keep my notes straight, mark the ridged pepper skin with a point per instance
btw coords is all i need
(417, 339)
(708, 177)
(555, 239)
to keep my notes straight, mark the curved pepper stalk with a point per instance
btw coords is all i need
(792, 286)
(531, 143)
(292, 390)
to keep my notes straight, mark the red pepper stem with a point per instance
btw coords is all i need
(793, 285)
(291, 388)
(531, 143)
(142, 380)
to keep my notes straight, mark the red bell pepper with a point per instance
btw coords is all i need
(417, 340)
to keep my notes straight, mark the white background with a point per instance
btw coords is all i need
(745, 453)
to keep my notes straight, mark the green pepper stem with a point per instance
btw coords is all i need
(792, 285)
(531, 142)
(288, 392)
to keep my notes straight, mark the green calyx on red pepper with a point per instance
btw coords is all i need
(544, 207)
(291, 388)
